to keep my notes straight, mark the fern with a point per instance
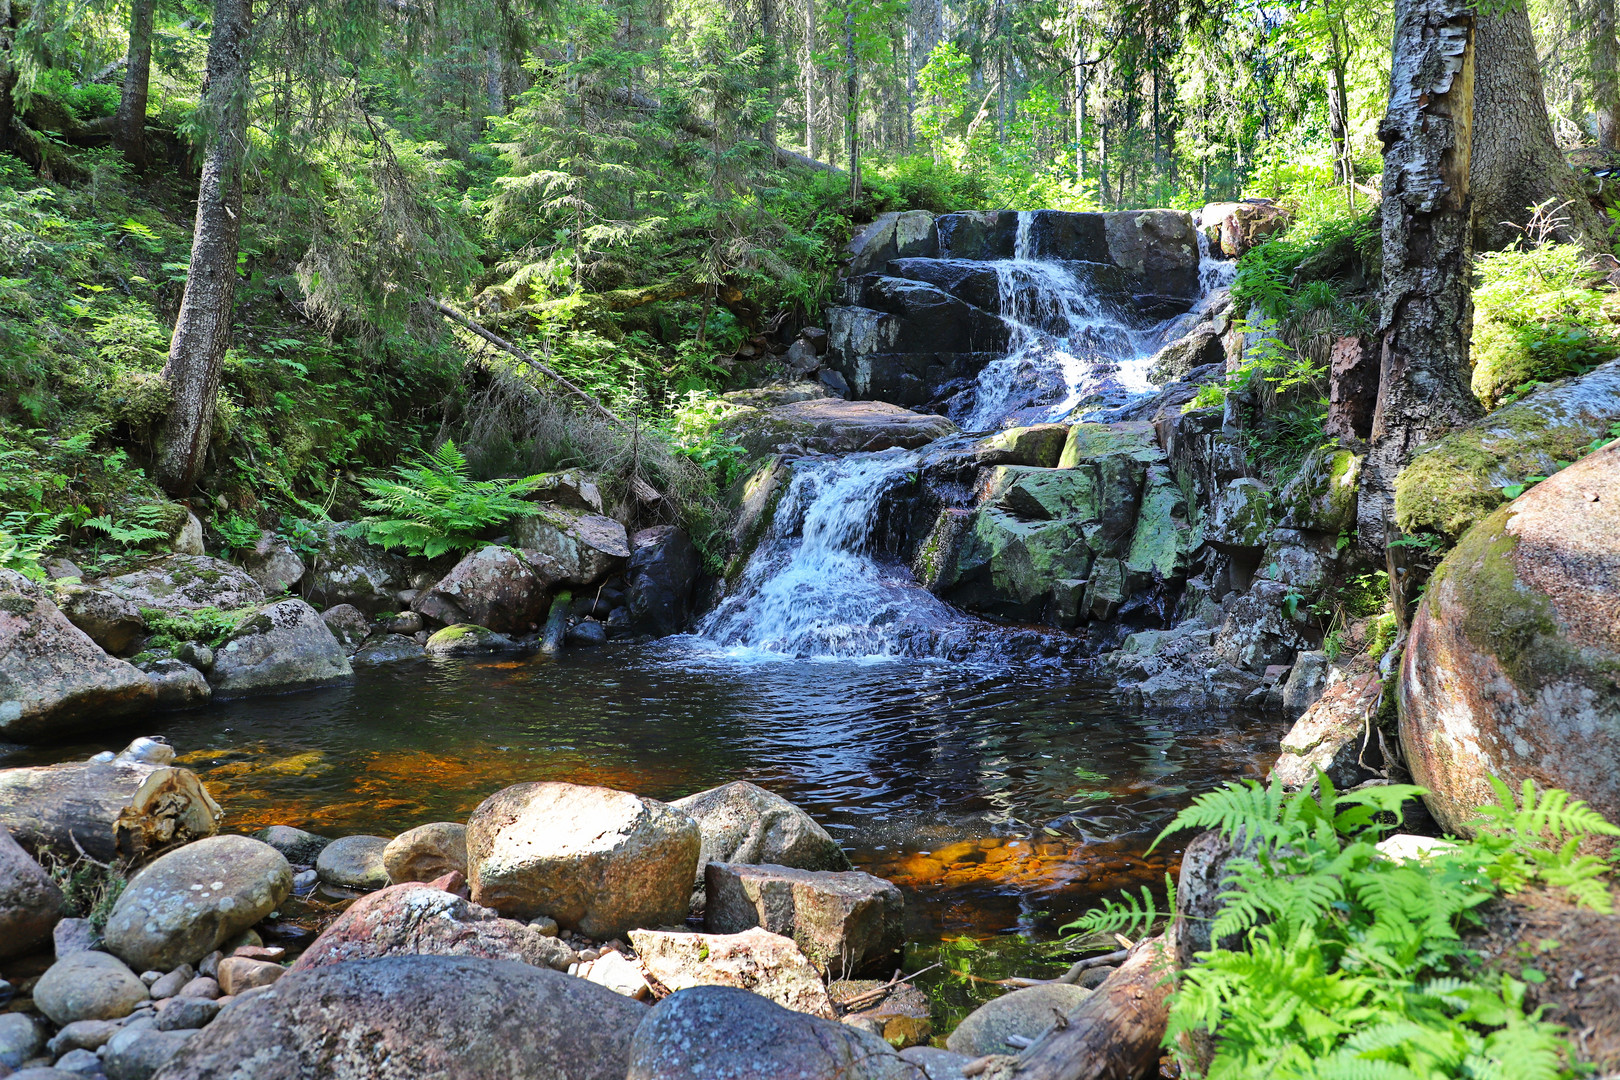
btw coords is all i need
(138, 530)
(434, 507)
(1130, 917)
(24, 538)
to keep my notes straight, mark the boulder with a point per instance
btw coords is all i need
(1028, 1013)
(755, 960)
(743, 823)
(844, 921)
(194, 899)
(241, 973)
(407, 1017)
(285, 646)
(977, 234)
(578, 549)
(892, 235)
(354, 862)
(663, 568)
(586, 634)
(137, 1053)
(720, 1031)
(465, 639)
(1040, 445)
(53, 679)
(112, 621)
(1322, 494)
(188, 538)
(936, 1063)
(1257, 632)
(347, 570)
(349, 625)
(1510, 667)
(388, 649)
(1202, 345)
(297, 846)
(185, 583)
(1234, 228)
(178, 685)
(419, 919)
(833, 426)
(272, 563)
(570, 489)
(73, 936)
(88, 986)
(21, 1038)
(495, 587)
(1307, 679)
(427, 852)
(1158, 251)
(30, 902)
(1241, 516)
(598, 861)
(1332, 735)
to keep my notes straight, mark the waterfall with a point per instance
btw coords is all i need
(814, 588)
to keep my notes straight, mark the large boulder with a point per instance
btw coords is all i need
(495, 587)
(284, 646)
(1511, 666)
(1322, 494)
(893, 235)
(194, 899)
(88, 986)
(347, 570)
(53, 679)
(112, 621)
(418, 919)
(743, 823)
(185, 583)
(832, 426)
(1027, 1014)
(408, 1017)
(30, 902)
(272, 562)
(578, 549)
(427, 852)
(599, 861)
(844, 921)
(756, 960)
(1234, 228)
(720, 1031)
(467, 639)
(663, 568)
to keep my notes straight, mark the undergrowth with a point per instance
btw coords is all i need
(433, 506)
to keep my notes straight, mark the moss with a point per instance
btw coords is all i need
(16, 605)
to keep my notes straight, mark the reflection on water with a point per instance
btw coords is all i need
(999, 800)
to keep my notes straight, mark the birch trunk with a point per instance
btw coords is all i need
(129, 123)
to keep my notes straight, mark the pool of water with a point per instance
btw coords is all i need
(1003, 801)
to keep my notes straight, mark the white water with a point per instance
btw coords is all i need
(813, 588)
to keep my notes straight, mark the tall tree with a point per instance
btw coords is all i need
(1516, 163)
(8, 73)
(129, 123)
(1605, 60)
(202, 328)
(1427, 311)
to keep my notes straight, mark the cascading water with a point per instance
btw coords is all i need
(813, 587)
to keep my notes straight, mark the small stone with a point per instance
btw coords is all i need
(187, 1013)
(354, 862)
(936, 1064)
(618, 974)
(73, 936)
(196, 654)
(304, 881)
(43, 1072)
(88, 986)
(82, 1035)
(1028, 1014)
(137, 1053)
(298, 847)
(427, 852)
(274, 953)
(237, 974)
(209, 965)
(202, 986)
(81, 1062)
(545, 926)
(21, 1038)
(150, 977)
(169, 985)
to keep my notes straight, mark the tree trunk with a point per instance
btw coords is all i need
(809, 78)
(1516, 161)
(1427, 310)
(852, 113)
(129, 123)
(1605, 59)
(8, 73)
(119, 809)
(202, 329)
(1339, 107)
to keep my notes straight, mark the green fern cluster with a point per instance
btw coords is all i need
(1353, 965)
(434, 506)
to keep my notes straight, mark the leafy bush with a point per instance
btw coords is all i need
(209, 625)
(24, 538)
(695, 432)
(434, 506)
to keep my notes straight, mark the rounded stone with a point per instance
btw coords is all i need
(299, 847)
(194, 899)
(427, 852)
(1028, 1013)
(88, 986)
(354, 862)
(20, 1039)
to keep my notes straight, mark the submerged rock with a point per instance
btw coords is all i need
(388, 649)
(296, 846)
(285, 646)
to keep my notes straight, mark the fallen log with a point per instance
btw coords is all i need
(109, 808)
(551, 640)
(1115, 1033)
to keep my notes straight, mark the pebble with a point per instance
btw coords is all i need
(150, 977)
(82, 1035)
(171, 984)
(546, 926)
(210, 964)
(305, 881)
(7, 991)
(237, 973)
(184, 1014)
(200, 987)
(587, 955)
(21, 1038)
(83, 1062)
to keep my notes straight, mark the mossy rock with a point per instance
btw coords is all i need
(466, 639)
(1162, 539)
(1137, 440)
(1321, 497)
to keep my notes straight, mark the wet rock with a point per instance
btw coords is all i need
(418, 919)
(843, 921)
(354, 862)
(1322, 494)
(587, 634)
(112, 621)
(73, 936)
(349, 625)
(1181, 357)
(285, 646)
(298, 847)
(901, 1014)
(1028, 1014)
(79, 1063)
(21, 1038)
(239, 973)
(137, 1053)
(465, 639)
(272, 562)
(755, 960)
(1307, 679)
(721, 1031)
(178, 685)
(186, 1013)
(43, 1072)
(1040, 445)
(1510, 668)
(53, 679)
(422, 1016)
(663, 568)
(30, 902)
(427, 852)
(833, 426)
(1241, 516)
(186, 582)
(977, 234)
(801, 359)
(494, 587)
(192, 900)
(599, 861)
(743, 823)
(403, 623)
(388, 649)
(82, 1035)
(578, 549)
(88, 986)
(347, 570)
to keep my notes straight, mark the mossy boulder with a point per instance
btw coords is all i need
(1006, 565)
(1038, 444)
(465, 639)
(1457, 481)
(1321, 497)
(1241, 516)
(1513, 664)
(284, 646)
(1162, 540)
(180, 583)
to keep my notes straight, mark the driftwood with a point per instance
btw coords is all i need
(130, 806)
(1114, 1034)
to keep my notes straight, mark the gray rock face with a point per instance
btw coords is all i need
(112, 621)
(194, 899)
(286, 646)
(719, 1031)
(187, 582)
(186, 1013)
(178, 685)
(349, 625)
(72, 936)
(833, 426)
(354, 862)
(416, 919)
(663, 568)
(494, 587)
(21, 1038)
(893, 235)
(347, 570)
(427, 852)
(575, 548)
(272, 563)
(599, 861)
(88, 986)
(389, 649)
(1306, 681)
(1029, 1013)
(30, 902)
(843, 921)
(53, 678)
(138, 1053)
(1256, 633)
(743, 823)
(408, 1017)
